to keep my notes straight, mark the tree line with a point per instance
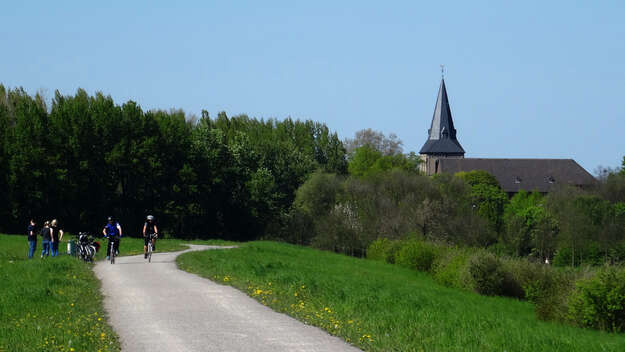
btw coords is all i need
(85, 157)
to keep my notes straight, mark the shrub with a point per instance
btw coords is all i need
(384, 249)
(417, 254)
(599, 302)
(487, 273)
(451, 268)
(562, 257)
(379, 249)
(550, 294)
(547, 288)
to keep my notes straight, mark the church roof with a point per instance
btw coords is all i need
(442, 134)
(541, 175)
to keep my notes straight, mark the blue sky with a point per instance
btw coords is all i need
(542, 79)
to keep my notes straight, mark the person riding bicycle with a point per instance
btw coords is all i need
(150, 232)
(112, 231)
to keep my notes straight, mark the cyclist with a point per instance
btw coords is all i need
(112, 231)
(150, 231)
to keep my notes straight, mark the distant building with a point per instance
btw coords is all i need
(442, 152)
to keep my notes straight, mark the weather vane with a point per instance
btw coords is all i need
(442, 71)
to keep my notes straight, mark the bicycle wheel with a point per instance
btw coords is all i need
(112, 253)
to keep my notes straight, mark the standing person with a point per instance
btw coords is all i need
(150, 232)
(32, 238)
(57, 236)
(112, 231)
(46, 238)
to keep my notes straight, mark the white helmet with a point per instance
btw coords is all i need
(150, 218)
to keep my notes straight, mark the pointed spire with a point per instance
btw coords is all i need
(442, 134)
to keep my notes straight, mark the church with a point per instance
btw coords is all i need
(442, 153)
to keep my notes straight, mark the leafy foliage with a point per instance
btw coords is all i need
(487, 273)
(417, 254)
(599, 302)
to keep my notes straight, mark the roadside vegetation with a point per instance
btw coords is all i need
(381, 307)
(591, 297)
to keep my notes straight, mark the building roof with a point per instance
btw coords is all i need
(442, 134)
(541, 175)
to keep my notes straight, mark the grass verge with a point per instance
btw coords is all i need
(382, 307)
(51, 304)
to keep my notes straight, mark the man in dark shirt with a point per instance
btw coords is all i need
(46, 238)
(32, 238)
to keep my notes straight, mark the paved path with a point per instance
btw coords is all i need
(156, 307)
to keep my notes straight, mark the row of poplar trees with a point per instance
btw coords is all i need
(83, 158)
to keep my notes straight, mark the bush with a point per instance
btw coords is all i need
(383, 249)
(547, 288)
(562, 257)
(417, 254)
(599, 302)
(451, 268)
(487, 273)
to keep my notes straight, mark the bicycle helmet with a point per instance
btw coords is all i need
(150, 218)
(110, 218)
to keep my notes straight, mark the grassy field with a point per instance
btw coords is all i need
(54, 304)
(381, 307)
(51, 304)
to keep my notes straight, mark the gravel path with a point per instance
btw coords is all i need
(157, 307)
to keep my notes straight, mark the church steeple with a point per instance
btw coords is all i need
(442, 134)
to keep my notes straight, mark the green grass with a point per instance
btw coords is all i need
(382, 307)
(51, 304)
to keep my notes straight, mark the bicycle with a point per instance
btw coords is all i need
(112, 250)
(150, 246)
(87, 247)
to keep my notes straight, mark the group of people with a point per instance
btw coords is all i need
(51, 235)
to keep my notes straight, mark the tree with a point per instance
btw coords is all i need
(5, 129)
(478, 177)
(390, 145)
(29, 174)
(531, 230)
(362, 160)
(367, 161)
(487, 197)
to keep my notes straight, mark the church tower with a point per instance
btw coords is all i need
(442, 141)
